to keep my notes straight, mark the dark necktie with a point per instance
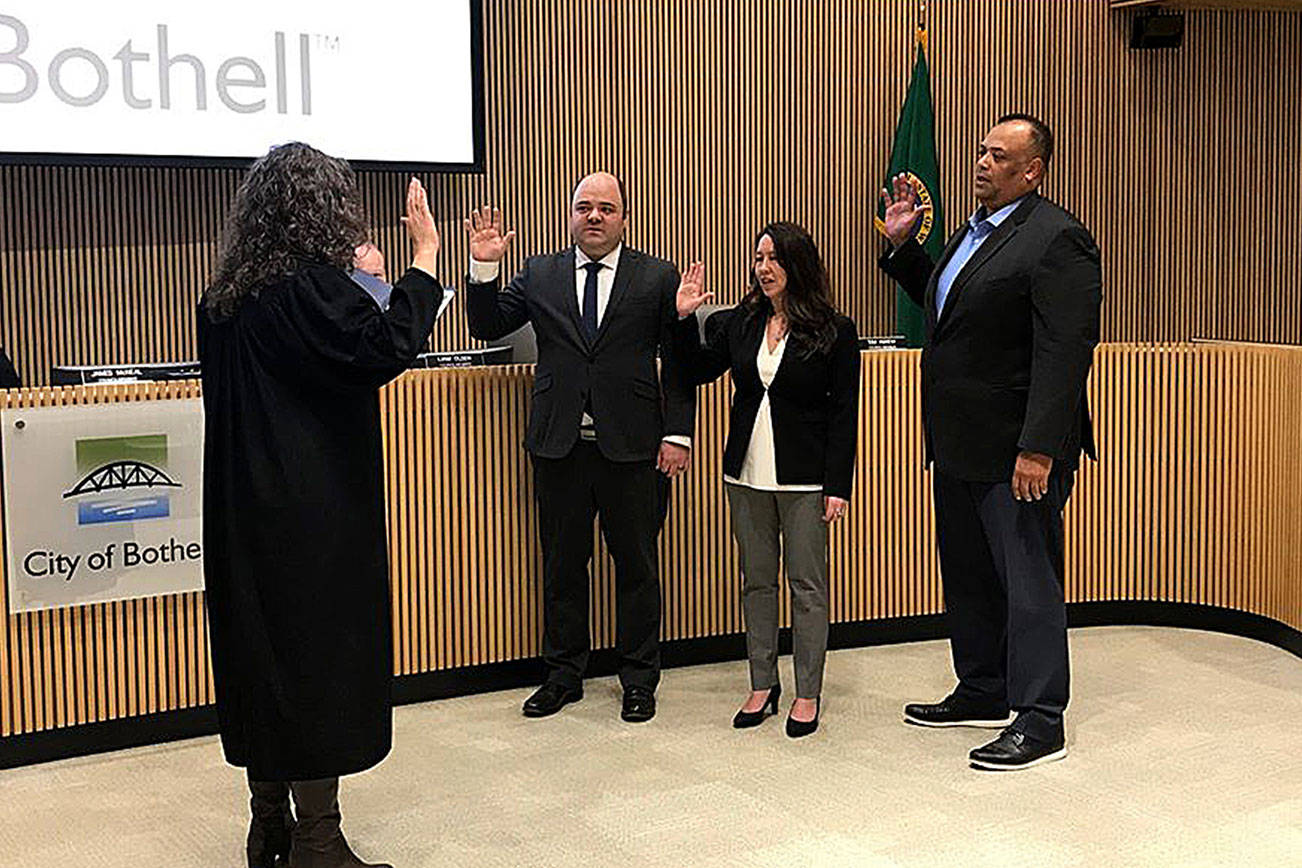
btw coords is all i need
(590, 301)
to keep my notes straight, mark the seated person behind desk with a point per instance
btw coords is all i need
(789, 460)
(368, 273)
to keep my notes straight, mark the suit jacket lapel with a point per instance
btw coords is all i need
(623, 277)
(945, 257)
(1001, 236)
(569, 299)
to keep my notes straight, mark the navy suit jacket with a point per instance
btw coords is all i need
(1004, 364)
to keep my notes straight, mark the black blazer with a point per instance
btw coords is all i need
(616, 374)
(814, 401)
(1004, 366)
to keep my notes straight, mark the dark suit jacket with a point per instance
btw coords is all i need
(616, 376)
(813, 401)
(8, 376)
(1004, 366)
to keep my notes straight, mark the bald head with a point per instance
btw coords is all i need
(598, 213)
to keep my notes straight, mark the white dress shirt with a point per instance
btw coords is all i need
(759, 469)
(487, 272)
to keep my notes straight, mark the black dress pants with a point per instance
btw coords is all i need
(630, 497)
(1001, 563)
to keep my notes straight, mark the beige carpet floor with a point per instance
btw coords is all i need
(1185, 749)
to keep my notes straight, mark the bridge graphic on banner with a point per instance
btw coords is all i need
(121, 475)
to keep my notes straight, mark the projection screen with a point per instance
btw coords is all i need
(382, 82)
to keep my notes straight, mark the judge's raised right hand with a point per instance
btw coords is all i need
(691, 291)
(420, 226)
(487, 241)
(902, 210)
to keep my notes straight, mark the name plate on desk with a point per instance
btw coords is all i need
(465, 358)
(90, 375)
(102, 502)
(882, 342)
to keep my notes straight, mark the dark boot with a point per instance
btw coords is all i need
(271, 825)
(318, 841)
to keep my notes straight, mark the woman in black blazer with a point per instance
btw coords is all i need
(789, 460)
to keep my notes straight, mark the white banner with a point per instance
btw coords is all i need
(102, 502)
(384, 80)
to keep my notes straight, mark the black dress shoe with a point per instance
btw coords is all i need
(551, 698)
(1016, 750)
(747, 719)
(953, 711)
(639, 704)
(799, 728)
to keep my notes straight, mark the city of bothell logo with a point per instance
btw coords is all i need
(122, 479)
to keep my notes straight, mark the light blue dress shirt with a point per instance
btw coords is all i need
(375, 287)
(980, 225)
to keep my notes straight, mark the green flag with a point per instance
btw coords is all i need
(914, 154)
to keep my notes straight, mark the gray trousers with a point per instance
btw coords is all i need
(774, 528)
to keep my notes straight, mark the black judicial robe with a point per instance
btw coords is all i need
(295, 552)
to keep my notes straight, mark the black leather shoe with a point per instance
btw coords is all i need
(1016, 750)
(953, 711)
(800, 728)
(551, 698)
(639, 704)
(747, 719)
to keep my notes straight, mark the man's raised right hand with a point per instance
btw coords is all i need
(487, 241)
(902, 210)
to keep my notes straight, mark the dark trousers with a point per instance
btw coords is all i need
(631, 498)
(1001, 563)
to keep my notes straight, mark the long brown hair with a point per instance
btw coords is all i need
(295, 204)
(811, 318)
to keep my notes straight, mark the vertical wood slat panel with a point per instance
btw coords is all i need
(1194, 499)
(725, 116)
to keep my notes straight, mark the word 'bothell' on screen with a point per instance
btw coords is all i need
(236, 76)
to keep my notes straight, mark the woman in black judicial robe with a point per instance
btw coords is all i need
(293, 353)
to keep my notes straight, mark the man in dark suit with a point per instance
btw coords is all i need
(1012, 313)
(603, 422)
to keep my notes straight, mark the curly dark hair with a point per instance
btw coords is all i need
(811, 318)
(296, 204)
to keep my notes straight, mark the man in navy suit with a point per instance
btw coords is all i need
(1012, 313)
(604, 421)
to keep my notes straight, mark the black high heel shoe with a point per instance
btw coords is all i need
(747, 719)
(799, 728)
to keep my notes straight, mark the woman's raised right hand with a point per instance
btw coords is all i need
(691, 291)
(420, 226)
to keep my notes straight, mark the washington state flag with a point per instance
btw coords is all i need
(914, 154)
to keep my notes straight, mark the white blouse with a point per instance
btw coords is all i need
(759, 469)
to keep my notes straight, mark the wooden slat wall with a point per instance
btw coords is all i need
(723, 116)
(1195, 499)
